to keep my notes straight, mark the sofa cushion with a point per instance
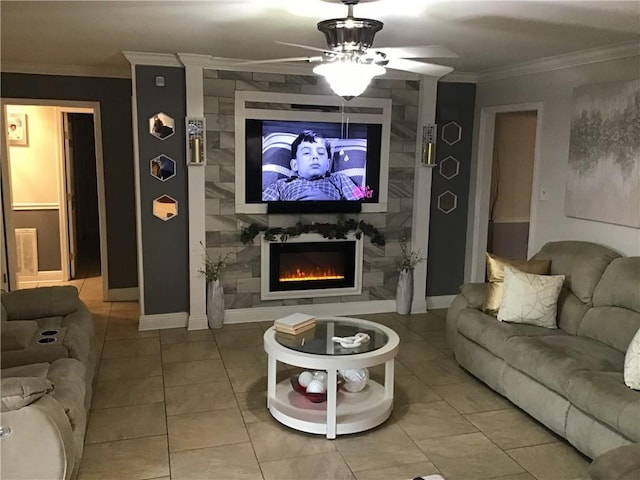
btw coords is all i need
(17, 334)
(488, 332)
(495, 277)
(605, 396)
(583, 263)
(18, 392)
(33, 303)
(552, 360)
(615, 316)
(529, 298)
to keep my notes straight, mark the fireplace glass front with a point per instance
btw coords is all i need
(312, 265)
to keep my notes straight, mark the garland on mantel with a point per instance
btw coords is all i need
(327, 230)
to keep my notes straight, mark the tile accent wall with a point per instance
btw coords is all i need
(241, 278)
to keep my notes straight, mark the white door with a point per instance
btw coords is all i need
(70, 194)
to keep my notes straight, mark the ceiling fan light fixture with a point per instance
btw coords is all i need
(349, 78)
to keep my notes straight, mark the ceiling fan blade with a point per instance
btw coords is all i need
(281, 60)
(425, 51)
(418, 67)
(307, 47)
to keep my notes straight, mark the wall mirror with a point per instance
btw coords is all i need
(165, 207)
(163, 167)
(161, 125)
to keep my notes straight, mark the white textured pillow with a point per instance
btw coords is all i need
(632, 363)
(529, 298)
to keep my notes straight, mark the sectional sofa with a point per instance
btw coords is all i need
(569, 378)
(48, 365)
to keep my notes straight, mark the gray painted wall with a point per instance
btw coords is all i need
(47, 224)
(114, 96)
(164, 243)
(447, 231)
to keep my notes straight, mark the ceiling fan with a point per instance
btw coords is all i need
(350, 62)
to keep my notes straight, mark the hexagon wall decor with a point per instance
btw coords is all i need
(447, 202)
(161, 125)
(451, 133)
(449, 167)
(165, 207)
(163, 167)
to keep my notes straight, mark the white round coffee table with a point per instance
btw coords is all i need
(343, 412)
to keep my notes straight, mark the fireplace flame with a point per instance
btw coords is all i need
(301, 275)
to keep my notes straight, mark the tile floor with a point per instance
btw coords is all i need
(173, 404)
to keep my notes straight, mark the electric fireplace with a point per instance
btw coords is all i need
(311, 266)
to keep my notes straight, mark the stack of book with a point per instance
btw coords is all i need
(295, 323)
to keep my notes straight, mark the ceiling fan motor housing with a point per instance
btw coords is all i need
(350, 34)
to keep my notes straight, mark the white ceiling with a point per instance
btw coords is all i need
(487, 35)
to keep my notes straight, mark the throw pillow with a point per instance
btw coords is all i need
(529, 298)
(18, 392)
(632, 363)
(495, 276)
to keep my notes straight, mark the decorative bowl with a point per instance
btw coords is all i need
(312, 397)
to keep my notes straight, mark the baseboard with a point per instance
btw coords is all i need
(197, 322)
(247, 315)
(43, 276)
(122, 294)
(163, 320)
(442, 301)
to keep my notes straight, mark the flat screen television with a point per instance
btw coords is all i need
(350, 173)
(352, 155)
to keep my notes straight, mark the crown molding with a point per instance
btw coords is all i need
(567, 60)
(460, 77)
(156, 59)
(123, 71)
(193, 59)
(559, 62)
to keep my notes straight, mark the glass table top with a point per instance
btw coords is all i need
(319, 339)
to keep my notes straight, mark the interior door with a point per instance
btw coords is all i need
(70, 194)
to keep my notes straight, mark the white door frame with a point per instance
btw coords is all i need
(69, 106)
(475, 264)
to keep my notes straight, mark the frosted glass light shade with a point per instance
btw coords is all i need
(348, 78)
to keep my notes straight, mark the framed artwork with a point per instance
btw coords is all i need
(604, 154)
(17, 129)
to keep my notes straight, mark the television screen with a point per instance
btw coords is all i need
(294, 162)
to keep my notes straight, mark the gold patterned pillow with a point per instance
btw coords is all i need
(495, 277)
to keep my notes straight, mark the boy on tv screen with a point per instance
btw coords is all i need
(311, 177)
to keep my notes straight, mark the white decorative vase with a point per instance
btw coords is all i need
(215, 304)
(404, 291)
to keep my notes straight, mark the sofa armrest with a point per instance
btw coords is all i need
(474, 293)
(39, 443)
(17, 334)
(472, 296)
(33, 303)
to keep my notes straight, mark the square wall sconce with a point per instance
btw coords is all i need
(196, 144)
(429, 145)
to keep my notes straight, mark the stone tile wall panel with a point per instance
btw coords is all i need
(241, 279)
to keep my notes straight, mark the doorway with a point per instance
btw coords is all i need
(52, 193)
(506, 187)
(511, 182)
